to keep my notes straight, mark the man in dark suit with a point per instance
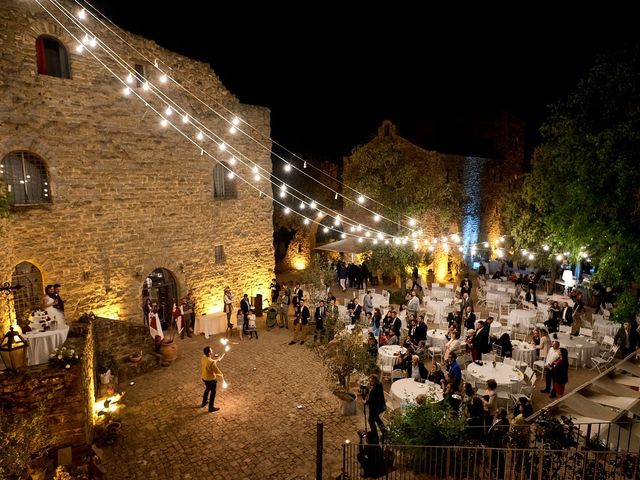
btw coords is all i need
(319, 316)
(416, 369)
(480, 341)
(469, 319)
(627, 339)
(245, 306)
(421, 330)
(566, 314)
(355, 312)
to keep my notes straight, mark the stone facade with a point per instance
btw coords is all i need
(127, 196)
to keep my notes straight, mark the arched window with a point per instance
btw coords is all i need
(25, 176)
(52, 57)
(224, 185)
(30, 296)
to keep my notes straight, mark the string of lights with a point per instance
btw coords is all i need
(360, 198)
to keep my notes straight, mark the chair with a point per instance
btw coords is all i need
(504, 313)
(504, 396)
(387, 371)
(433, 352)
(488, 357)
(538, 366)
(574, 356)
(396, 374)
(564, 329)
(499, 359)
(449, 286)
(520, 336)
(510, 361)
(602, 362)
(587, 332)
(497, 349)
(528, 373)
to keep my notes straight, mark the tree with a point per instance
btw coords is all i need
(583, 193)
(393, 260)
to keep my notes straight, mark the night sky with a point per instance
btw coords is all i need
(330, 76)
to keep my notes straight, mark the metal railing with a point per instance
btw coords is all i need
(395, 462)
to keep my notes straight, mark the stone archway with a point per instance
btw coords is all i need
(161, 288)
(30, 296)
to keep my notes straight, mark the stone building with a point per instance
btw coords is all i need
(104, 200)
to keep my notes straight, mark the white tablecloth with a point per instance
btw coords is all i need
(441, 292)
(439, 309)
(436, 338)
(212, 324)
(503, 374)
(583, 346)
(501, 297)
(523, 352)
(405, 391)
(605, 327)
(524, 319)
(42, 344)
(387, 355)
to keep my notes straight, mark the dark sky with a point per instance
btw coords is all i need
(330, 76)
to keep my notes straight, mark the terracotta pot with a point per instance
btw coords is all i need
(135, 358)
(169, 351)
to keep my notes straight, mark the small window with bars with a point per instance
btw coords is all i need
(25, 176)
(224, 185)
(218, 253)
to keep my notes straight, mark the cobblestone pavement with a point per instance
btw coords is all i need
(259, 433)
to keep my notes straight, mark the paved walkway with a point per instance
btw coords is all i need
(259, 433)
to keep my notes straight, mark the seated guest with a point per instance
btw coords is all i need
(523, 407)
(554, 317)
(421, 330)
(475, 419)
(505, 343)
(372, 345)
(452, 345)
(394, 339)
(452, 398)
(531, 296)
(416, 369)
(435, 374)
(382, 339)
(404, 359)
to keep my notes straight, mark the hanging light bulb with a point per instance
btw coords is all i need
(233, 130)
(352, 229)
(93, 42)
(232, 160)
(531, 256)
(164, 122)
(287, 167)
(82, 14)
(168, 111)
(360, 240)
(200, 135)
(486, 244)
(367, 234)
(336, 196)
(222, 146)
(343, 235)
(375, 241)
(257, 178)
(145, 86)
(412, 222)
(287, 210)
(126, 91)
(163, 78)
(283, 194)
(559, 257)
(361, 199)
(79, 48)
(359, 228)
(185, 118)
(325, 229)
(545, 248)
(225, 385)
(86, 39)
(312, 205)
(306, 221)
(380, 236)
(304, 165)
(130, 79)
(235, 121)
(231, 175)
(302, 205)
(254, 169)
(386, 242)
(336, 222)
(376, 218)
(320, 213)
(430, 248)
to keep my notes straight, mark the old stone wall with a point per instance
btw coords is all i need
(128, 196)
(121, 338)
(67, 394)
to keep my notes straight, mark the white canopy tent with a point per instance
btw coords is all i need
(347, 245)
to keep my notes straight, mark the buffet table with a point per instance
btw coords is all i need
(212, 324)
(42, 344)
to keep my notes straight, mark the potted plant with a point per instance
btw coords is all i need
(107, 366)
(343, 356)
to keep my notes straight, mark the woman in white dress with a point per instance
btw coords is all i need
(48, 302)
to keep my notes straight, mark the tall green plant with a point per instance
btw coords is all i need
(344, 356)
(393, 260)
(427, 424)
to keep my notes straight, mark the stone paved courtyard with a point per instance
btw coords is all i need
(259, 432)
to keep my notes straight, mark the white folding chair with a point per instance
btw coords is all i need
(528, 373)
(587, 332)
(604, 360)
(488, 357)
(397, 374)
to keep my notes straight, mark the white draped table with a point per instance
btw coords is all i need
(524, 318)
(212, 324)
(437, 338)
(584, 347)
(406, 390)
(523, 352)
(388, 355)
(42, 344)
(502, 373)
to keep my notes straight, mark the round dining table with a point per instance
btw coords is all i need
(502, 373)
(405, 391)
(437, 338)
(584, 347)
(522, 320)
(388, 355)
(42, 344)
(523, 352)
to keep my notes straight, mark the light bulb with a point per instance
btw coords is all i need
(287, 167)
(376, 218)
(130, 78)
(386, 242)
(283, 194)
(164, 122)
(343, 235)
(306, 221)
(302, 205)
(168, 111)
(545, 248)
(431, 248)
(93, 42)
(375, 241)
(412, 222)
(325, 229)
(312, 205)
(82, 14)
(380, 235)
(163, 78)
(320, 214)
(145, 86)
(304, 165)
(185, 118)
(232, 160)
(559, 257)
(235, 121)
(231, 175)
(227, 348)
(126, 91)
(255, 169)
(233, 130)
(200, 135)
(360, 199)
(360, 240)
(486, 244)
(86, 40)
(225, 385)
(367, 234)
(531, 257)
(79, 48)
(336, 196)
(257, 178)
(352, 229)
(222, 146)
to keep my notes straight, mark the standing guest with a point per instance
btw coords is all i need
(372, 345)
(469, 319)
(465, 285)
(59, 303)
(545, 343)
(177, 318)
(560, 373)
(245, 306)
(490, 399)
(283, 310)
(566, 314)
(275, 290)
(48, 301)
(413, 305)
(355, 312)
(190, 313)
(627, 339)
(421, 330)
(453, 344)
(155, 327)
(368, 303)
(374, 399)
(300, 323)
(465, 302)
(481, 341)
(147, 310)
(552, 356)
(228, 305)
(454, 374)
(296, 297)
(319, 316)
(376, 320)
(210, 376)
(435, 374)
(251, 325)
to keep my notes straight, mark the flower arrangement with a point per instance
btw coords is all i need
(63, 357)
(87, 317)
